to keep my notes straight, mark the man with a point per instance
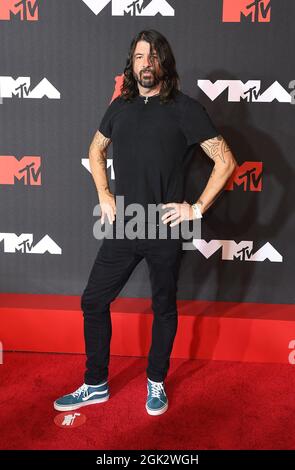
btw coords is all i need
(154, 128)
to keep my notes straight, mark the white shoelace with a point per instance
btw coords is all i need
(83, 389)
(156, 389)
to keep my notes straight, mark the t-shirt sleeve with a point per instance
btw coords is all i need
(196, 123)
(106, 123)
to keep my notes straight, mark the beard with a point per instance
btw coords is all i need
(147, 78)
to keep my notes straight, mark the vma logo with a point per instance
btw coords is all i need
(236, 11)
(21, 88)
(248, 176)
(242, 251)
(23, 243)
(24, 10)
(132, 7)
(27, 170)
(249, 91)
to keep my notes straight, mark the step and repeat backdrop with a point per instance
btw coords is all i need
(61, 63)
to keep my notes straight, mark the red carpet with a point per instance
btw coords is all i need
(213, 405)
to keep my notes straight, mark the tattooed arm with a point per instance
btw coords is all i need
(98, 162)
(98, 167)
(224, 165)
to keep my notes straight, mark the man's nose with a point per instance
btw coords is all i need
(147, 61)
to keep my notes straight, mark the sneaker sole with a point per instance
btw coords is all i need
(156, 412)
(79, 405)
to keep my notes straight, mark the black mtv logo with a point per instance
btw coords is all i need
(24, 10)
(246, 10)
(248, 176)
(256, 12)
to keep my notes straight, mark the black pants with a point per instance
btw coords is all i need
(114, 263)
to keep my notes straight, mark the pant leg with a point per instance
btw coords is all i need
(163, 258)
(115, 261)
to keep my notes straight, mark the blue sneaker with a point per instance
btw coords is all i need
(83, 396)
(157, 401)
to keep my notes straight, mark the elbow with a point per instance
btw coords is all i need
(90, 152)
(234, 165)
(226, 170)
(231, 166)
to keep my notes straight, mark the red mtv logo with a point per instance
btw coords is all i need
(27, 170)
(255, 11)
(25, 10)
(249, 175)
(119, 79)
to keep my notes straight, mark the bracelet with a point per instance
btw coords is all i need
(197, 211)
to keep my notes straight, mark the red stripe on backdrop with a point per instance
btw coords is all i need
(206, 330)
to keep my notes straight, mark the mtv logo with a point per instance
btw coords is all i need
(248, 175)
(25, 10)
(24, 243)
(242, 251)
(132, 7)
(119, 80)
(249, 91)
(21, 88)
(27, 170)
(235, 11)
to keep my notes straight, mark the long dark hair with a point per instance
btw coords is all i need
(159, 43)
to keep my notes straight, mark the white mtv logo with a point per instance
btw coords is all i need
(249, 91)
(24, 244)
(242, 251)
(21, 88)
(85, 163)
(132, 7)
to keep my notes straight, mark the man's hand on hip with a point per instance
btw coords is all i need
(178, 212)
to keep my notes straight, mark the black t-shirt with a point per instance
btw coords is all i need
(152, 143)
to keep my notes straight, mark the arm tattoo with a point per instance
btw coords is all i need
(98, 149)
(99, 145)
(216, 148)
(101, 141)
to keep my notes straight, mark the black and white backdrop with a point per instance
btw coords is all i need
(59, 63)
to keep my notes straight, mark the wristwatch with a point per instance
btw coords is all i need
(197, 211)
